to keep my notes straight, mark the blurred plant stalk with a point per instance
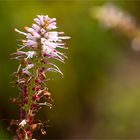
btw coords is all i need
(110, 16)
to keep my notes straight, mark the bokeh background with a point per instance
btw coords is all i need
(99, 97)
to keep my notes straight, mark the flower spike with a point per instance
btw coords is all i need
(38, 47)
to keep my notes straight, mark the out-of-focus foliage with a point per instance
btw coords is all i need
(99, 96)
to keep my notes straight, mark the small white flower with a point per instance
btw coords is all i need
(30, 43)
(42, 18)
(50, 20)
(37, 21)
(50, 44)
(26, 69)
(43, 40)
(28, 29)
(29, 66)
(46, 49)
(30, 54)
(63, 37)
(36, 27)
(36, 35)
(22, 123)
(52, 36)
(51, 26)
(31, 37)
(23, 33)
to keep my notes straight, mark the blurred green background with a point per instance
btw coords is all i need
(99, 97)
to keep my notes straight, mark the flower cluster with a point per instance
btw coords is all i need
(41, 44)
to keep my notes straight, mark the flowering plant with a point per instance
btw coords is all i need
(41, 44)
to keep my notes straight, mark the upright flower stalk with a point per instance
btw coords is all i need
(40, 45)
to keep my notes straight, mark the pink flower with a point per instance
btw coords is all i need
(30, 43)
(29, 54)
(27, 68)
(52, 36)
(36, 49)
(36, 27)
(51, 26)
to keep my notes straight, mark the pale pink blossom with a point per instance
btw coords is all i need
(38, 47)
(51, 26)
(52, 36)
(31, 30)
(38, 36)
(29, 54)
(29, 43)
(27, 68)
(22, 123)
(36, 27)
(20, 32)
